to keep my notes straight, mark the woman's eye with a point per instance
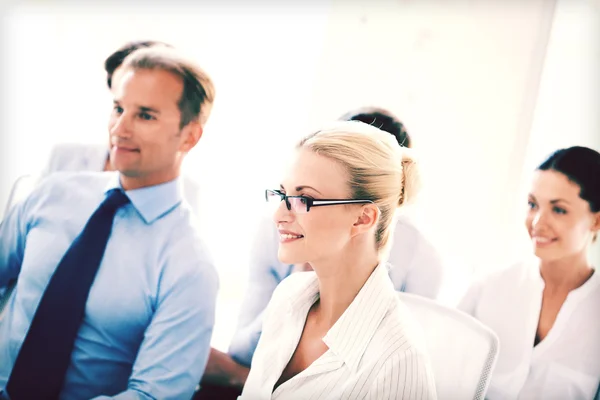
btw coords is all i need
(531, 204)
(559, 210)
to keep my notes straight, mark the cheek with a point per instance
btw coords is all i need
(325, 230)
(529, 221)
(152, 138)
(111, 122)
(574, 230)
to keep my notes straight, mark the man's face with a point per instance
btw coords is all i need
(146, 140)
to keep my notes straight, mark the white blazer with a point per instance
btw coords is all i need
(374, 349)
(566, 364)
(92, 157)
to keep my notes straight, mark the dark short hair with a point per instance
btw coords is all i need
(115, 60)
(382, 119)
(198, 92)
(582, 166)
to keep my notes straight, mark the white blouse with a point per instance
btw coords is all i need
(566, 364)
(374, 349)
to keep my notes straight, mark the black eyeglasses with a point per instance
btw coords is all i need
(302, 204)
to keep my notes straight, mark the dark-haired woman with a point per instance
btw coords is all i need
(546, 311)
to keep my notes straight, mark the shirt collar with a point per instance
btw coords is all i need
(349, 337)
(151, 202)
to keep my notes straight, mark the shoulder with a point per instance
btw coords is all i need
(408, 232)
(185, 238)
(412, 251)
(64, 148)
(399, 340)
(186, 257)
(295, 286)
(398, 333)
(512, 275)
(73, 156)
(296, 283)
(402, 321)
(69, 185)
(494, 285)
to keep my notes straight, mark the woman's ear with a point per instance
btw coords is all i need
(366, 219)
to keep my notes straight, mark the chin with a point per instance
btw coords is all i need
(128, 172)
(548, 254)
(288, 257)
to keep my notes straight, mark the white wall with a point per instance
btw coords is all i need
(567, 110)
(463, 75)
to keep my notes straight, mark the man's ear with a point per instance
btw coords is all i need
(192, 133)
(367, 218)
(596, 225)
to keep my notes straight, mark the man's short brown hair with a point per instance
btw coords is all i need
(115, 60)
(198, 93)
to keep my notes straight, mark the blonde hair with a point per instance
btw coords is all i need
(198, 92)
(378, 168)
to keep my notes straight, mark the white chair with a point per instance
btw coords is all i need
(20, 190)
(462, 350)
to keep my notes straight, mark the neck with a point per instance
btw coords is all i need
(340, 280)
(138, 182)
(567, 273)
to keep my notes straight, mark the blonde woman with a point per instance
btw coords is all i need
(340, 331)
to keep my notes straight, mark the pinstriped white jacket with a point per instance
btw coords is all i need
(374, 351)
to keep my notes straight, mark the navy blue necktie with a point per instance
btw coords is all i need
(45, 355)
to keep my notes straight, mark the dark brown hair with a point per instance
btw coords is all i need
(115, 60)
(382, 119)
(582, 166)
(198, 92)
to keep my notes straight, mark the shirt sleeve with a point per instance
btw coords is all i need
(469, 301)
(53, 161)
(266, 272)
(13, 235)
(426, 274)
(176, 344)
(404, 376)
(417, 266)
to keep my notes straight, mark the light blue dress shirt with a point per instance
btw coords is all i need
(150, 313)
(92, 157)
(416, 268)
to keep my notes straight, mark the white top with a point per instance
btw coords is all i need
(566, 364)
(375, 350)
(416, 264)
(416, 268)
(92, 157)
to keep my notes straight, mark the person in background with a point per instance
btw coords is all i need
(340, 330)
(96, 157)
(116, 293)
(545, 309)
(416, 268)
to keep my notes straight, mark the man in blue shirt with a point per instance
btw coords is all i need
(149, 315)
(95, 156)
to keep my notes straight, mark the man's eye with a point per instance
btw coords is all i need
(146, 116)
